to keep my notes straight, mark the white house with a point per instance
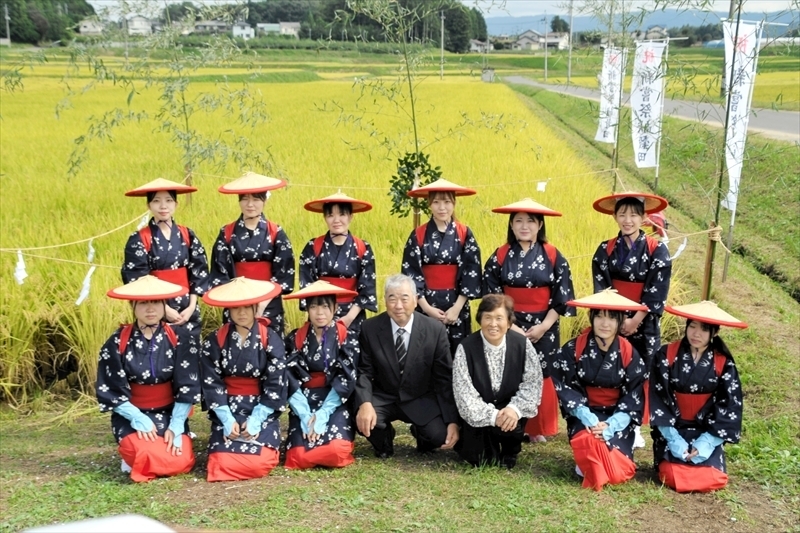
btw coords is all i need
(652, 33)
(267, 28)
(139, 25)
(479, 46)
(90, 27)
(529, 40)
(558, 41)
(243, 30)
(211, 26)
(290, 28)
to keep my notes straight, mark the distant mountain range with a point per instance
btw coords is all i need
(668, 18)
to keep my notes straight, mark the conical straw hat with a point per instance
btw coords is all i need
(440, 185)
(320, 288)
(147, 288)
(527, 206)
(652, 203)
(316, 206)
(706, 312)
(161, 184)
(241, 291)
(608, 299)
(251, 183)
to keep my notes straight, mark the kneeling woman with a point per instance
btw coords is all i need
(322, 376)
(598, 377)
(244, 383)
(147, 375)
(695, 402)
(497, 383)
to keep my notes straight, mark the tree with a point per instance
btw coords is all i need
(44, 20)
(457, 29)
(177, 12)
(559, 25)
(479, 30)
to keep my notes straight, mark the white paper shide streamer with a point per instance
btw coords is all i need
(87, 282)
(611, 77)
(144, 221)
(19, 270)
(90, 255)
(741, 59)
(647, 89)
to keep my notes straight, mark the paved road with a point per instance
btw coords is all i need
(781, 125)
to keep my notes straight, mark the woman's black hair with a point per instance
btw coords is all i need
(152, 194)
(717, 344)
(490, 302)
(636, 205)
(260, 195)
(541, 236)
(618, 315)
(346, 208)
(324, 299)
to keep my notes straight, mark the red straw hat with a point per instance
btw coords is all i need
(706, 312)
(440, 185)
(527, 206)
(316, 206)
(241, 291)
(147, 288)
(652, 203)
(251, 183)
(161, 184)
(608, 299)
(320, 288)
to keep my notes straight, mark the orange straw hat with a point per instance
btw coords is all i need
(316, 206)
(320, 288)
(608, 299)
(147, 288)
(440, 185)
(239, 292)
(251, 183)
(652, 203)
(161, 184)
(706, 312)
(527, 206)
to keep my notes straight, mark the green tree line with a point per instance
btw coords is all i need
(32, 21)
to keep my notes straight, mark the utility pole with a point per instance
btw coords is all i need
(441, 40)
(8, 28)
(545, 46)
(569, 60)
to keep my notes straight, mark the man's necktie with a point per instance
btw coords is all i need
(400, 349)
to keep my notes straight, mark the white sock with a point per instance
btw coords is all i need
(578, 470)
(125, 467)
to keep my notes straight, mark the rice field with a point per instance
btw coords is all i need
(481, 135)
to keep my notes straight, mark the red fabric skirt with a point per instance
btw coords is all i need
(150, 459)
(336, 454)
(224, 466)
(691, 478)
(546, 420)
(599, 464)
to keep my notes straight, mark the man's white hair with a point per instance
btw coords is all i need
(396, 281)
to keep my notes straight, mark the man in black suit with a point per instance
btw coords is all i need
(405, 373)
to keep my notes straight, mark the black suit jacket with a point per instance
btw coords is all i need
(425, 389)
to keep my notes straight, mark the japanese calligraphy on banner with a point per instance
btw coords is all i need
(741, 59)
(647, 88)
(611, 77)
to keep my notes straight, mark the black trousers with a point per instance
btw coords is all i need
(490, 445)
(429, 436)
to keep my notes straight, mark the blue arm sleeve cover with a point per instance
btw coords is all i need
(705, 444)
(332, 401)
(676, 444)
(180, 412)
(588, 418)
(299, 405)
(257, 417)
(226, 417)
(616, 422)
(139, 421)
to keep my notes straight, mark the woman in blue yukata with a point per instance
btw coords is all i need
(695, 401)
(170, 252)
(148, 377)
(322, 376)
(444, 260)
(254, 247)
(537, 277)
(243, 371)
(341, 258)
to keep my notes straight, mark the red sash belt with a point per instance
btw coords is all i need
(152, 396)
(239, 386)
(351, 284)
(602, 396)
(529, 300)
(632, 290)
(317, 380)
(179, 276)
(691, 404)
(260, 270)
(440, 277)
